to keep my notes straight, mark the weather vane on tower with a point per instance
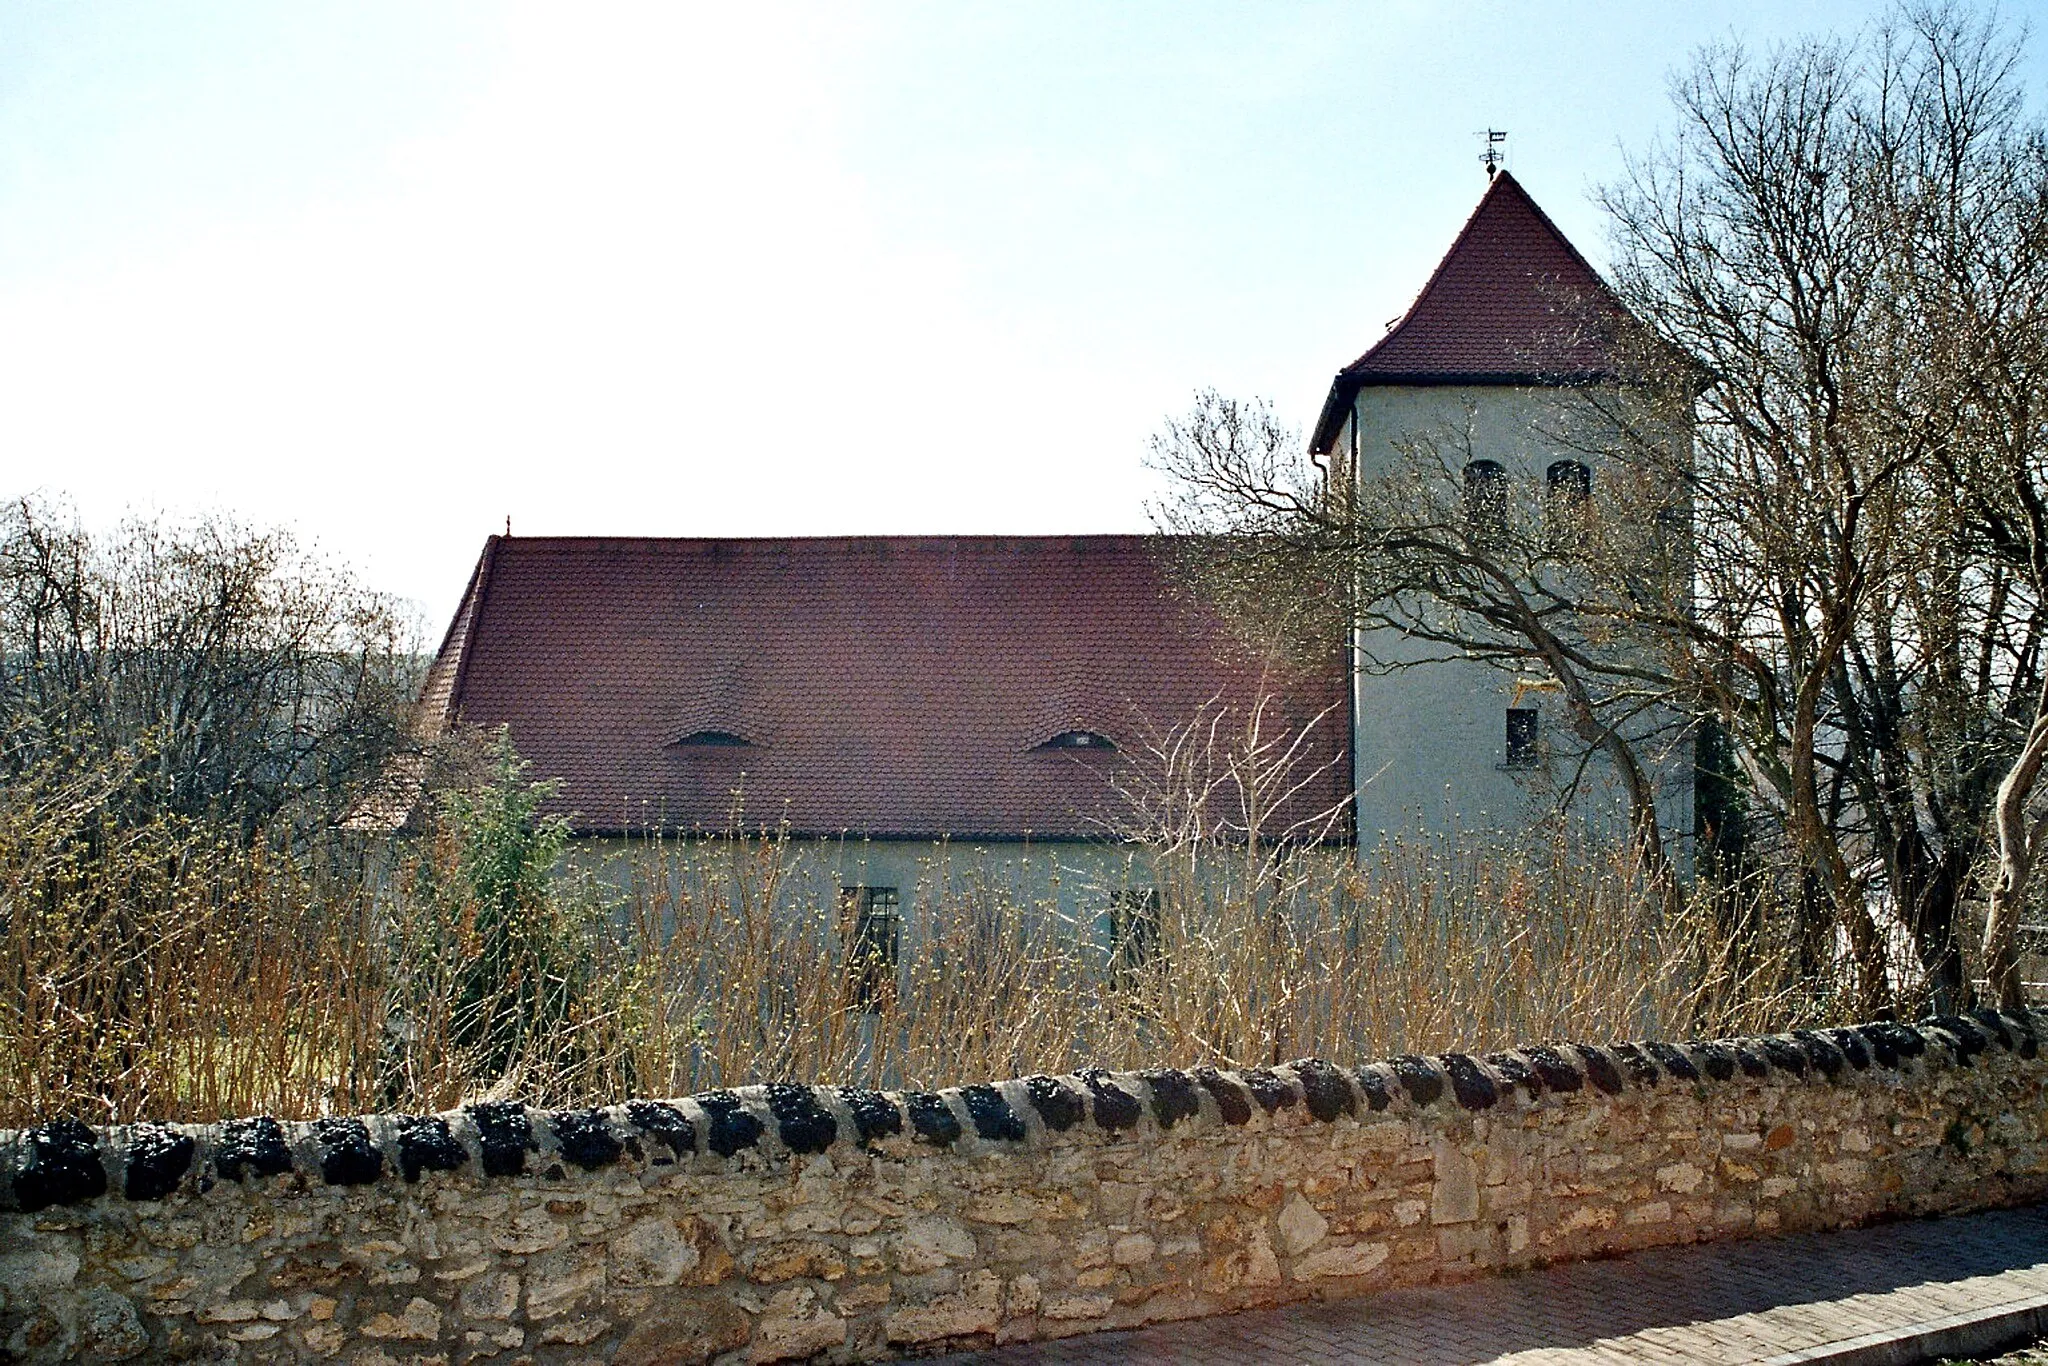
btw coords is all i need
(1493, 154)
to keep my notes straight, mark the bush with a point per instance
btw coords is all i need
(178, 971)
(490, 959)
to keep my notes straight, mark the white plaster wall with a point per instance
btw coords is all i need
(1073, 879)
(1429, 741)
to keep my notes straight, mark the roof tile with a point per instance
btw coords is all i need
(888, 685)
(1511, 302)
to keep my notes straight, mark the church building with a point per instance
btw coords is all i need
(896, 704)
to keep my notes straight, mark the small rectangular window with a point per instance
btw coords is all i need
(1133, 930)
(1521, 747)
(870, 932)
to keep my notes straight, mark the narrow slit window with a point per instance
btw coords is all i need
(1133, 931)
(1522, 749)
(871, 932)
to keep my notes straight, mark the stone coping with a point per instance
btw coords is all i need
(66, 1162)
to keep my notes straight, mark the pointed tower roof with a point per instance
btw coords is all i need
(1512, 302)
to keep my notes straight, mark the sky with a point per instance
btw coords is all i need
(392, 273)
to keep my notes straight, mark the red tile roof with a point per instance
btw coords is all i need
(884, 685)
(1512, 302)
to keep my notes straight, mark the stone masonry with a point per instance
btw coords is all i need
(787, 1222)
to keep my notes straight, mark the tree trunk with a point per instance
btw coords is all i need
(2002, 922)
(1827, 869)
(1645, 830)
(2018, 842)
(1933, 903)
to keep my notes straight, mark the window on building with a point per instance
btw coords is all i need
(1569, 482)
(1521, 746)
(870, 934)
(1486, 502)
(714, 739)
(1567, 493)
(1079, 739)
(1133, 930)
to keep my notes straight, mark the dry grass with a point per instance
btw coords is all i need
(170, 971)
(1422, 949)
(164, 973)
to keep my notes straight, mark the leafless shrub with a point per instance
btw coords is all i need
(236, 677)
(174, 970)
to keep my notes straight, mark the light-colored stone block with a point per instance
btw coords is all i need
(1455, 1197)
(1299, 1226)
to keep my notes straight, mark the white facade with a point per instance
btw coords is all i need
(1071, 882)
(1430, 740)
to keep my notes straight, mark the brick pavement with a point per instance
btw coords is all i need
(1896, 1293)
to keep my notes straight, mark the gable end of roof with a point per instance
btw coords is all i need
(441, 694)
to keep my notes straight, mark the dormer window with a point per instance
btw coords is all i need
(713, 739)
(1080, 739)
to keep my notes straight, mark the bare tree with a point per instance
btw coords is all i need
(1847, 234)
(1965, 208)
(1831, 272)
(236, 677)
(1742, 244)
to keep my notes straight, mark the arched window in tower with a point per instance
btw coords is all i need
(1567, 493)
(1486, 502)
(1569, 482)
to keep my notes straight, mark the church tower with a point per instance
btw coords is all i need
(1510, 336)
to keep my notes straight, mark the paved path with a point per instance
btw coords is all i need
(1885, 1296)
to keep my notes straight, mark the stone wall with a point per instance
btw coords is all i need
(782, 1222)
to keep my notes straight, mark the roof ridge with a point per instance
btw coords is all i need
(1555, 231)
(851, 539)
(481, 589)
(1436, 273)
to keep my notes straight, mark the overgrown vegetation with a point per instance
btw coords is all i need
(159, 963)
(162, 970)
